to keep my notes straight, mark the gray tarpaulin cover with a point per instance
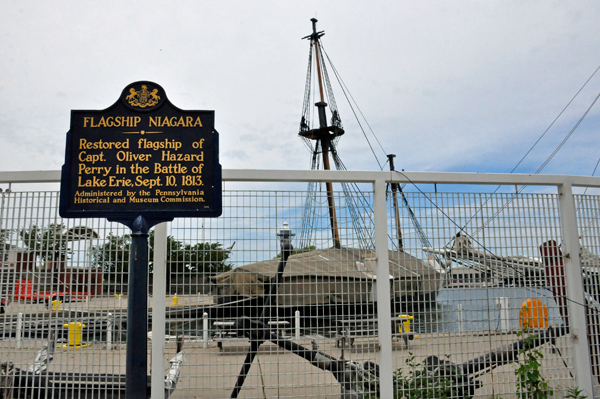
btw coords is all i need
(334, 275)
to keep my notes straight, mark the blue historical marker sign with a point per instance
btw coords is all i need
(142, 156)
(140, 162)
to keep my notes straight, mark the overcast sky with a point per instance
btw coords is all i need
(447, 86)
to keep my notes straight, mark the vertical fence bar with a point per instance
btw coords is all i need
(459, 309)
(205, 330)
(109, 331)
(502, 305)
(383, 291)
(19, 330)
(297, 324)
(574, 282)
(158, 311)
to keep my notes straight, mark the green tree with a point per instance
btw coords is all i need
(113, 257)
(175, 255)
(47, 243)
(202, 258)
(209, 258)
(5, 235)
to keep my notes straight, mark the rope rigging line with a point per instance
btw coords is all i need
(354, 202)
(309, 213)
(348, 96)
(568, 136)
(555, 119)
(424, 240)
(520, 190)
(306, 108)
(485, 249)
(350, 99)
(595, 218)
(493, 256)
(335, 114)
(534, 145)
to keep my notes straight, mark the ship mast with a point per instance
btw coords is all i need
(325, 133)
(395, 203)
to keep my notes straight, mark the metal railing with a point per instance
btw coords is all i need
(441, 312)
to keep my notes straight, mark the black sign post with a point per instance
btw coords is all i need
(141, 162)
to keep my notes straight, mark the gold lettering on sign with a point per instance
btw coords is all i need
(174, 121)
(156, 145)
(102, 145)
(111, 121)
(169, 157)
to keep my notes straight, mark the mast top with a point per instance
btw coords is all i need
(315, 35)
(326, 130)
(391, 160)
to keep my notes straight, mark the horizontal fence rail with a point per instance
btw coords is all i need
(263, 175)
(438, 293)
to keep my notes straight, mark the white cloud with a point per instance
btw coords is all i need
(446, 86)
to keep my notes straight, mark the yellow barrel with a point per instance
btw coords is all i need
(74, 334)
(533, 314)
(405, 323)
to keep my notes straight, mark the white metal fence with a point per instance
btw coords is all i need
(421, 279)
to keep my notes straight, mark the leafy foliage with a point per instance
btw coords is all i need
(202, 258)
(575, 393)
(531, 384)
(113, 256)
(421, 383)
(47, 243)
(209, 258)
(5, 235)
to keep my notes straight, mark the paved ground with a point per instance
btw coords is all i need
(211, 372)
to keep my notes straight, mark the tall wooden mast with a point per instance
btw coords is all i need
(325, 133)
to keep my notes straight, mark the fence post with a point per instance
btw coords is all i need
(297, 324)
(205, 330)
(109, 332)
(461, 327)
(502, 305)
(19, 330)
(159, 306)
(384, 311)
(574, 282)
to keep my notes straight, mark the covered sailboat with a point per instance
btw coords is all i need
(331, 276)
